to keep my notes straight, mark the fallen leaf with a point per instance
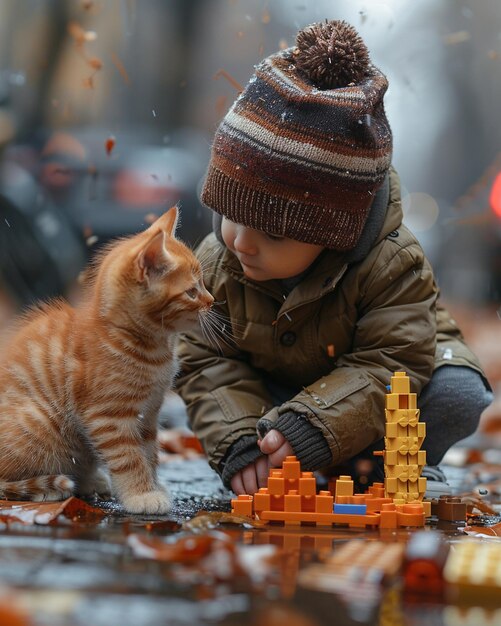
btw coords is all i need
(79, 511)
(46, 512)
(492, 531)
(205, 520)
(178, 442)
(109, 144)
(184, 550)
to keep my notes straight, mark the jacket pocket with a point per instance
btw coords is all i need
(240, 404)
(333, 388)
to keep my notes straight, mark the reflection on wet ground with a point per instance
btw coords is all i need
(126, 570)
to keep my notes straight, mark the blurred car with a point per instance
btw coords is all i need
(65, 195)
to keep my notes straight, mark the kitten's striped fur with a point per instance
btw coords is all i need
(82, 387)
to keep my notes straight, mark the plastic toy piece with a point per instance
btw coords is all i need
(473, 572)
(424, 562)
(290, 498)
(403, 457)
(351, 509)
(242, 506)
(449, 509)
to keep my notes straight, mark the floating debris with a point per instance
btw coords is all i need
(229, 78)
(120, 67)
(109, 144)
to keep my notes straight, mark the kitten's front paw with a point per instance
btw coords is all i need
(150, 502)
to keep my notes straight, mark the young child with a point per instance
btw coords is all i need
(325, 290)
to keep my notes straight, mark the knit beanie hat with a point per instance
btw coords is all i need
(306, 145)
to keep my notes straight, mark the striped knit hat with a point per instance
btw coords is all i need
(304, 148)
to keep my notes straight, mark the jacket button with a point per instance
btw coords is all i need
(394, 234)
(288, 339)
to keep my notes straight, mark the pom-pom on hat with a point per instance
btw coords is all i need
(304, 148)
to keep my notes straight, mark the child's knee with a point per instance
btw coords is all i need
(451, 405)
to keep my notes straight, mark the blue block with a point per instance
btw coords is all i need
(351, 509)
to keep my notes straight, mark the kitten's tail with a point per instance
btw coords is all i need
(38, 488)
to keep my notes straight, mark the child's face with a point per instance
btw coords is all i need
(265, 257)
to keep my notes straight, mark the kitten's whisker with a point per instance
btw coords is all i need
(221, 319)
(208, 255)
(219, 331)
(209, 334)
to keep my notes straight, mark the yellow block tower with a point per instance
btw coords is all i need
(403, 457)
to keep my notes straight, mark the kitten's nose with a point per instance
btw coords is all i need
(209, 300)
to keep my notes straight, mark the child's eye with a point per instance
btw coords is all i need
(192, 293)
(274, 237)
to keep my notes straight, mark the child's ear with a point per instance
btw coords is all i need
(152, 259)
(168, 221)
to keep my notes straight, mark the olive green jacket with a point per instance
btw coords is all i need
(337, 337)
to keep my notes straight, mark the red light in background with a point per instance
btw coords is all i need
(136, 189)
(495, 196)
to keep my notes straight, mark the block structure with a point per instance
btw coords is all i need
(291, 495)
(291, 498)
(404, 435)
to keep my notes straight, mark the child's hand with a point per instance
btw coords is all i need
(276, 446)
(252, 477)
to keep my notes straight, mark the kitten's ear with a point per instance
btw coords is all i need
(152, 258)
(168, 221)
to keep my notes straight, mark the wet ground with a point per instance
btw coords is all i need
(114, 569)
(107, 568)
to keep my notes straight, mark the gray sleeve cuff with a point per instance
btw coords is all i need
(307, 441)
(242, 453)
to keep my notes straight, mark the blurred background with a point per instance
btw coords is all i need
(108, 107)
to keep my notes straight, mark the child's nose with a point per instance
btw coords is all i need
(245, 241)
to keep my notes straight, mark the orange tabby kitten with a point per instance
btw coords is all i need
(80, 387)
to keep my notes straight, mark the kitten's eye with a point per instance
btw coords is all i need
(274, 237)
(192, 293)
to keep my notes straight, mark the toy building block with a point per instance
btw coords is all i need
(473, 572)
(471, 616)
(449, 509)
(344, 486)
(423, 569)
(351, 509)
(290, 498)
(242, 505)
(404, 435)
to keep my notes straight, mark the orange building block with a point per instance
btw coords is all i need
(344, 486)
(242, 505)
(276, 483)
(292, 502)
(324, 502)
(262, 500)
(291, 468)
(388, 516)
(410, 515)
(307, 484)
